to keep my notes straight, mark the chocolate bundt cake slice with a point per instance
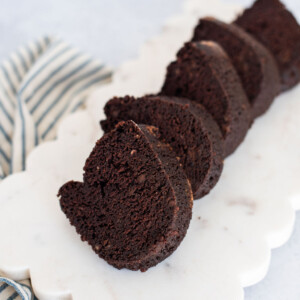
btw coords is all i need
(203, 73)
(253, 62)
(135, 203)
(277, 29)
(186, 126)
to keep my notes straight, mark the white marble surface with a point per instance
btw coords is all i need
(113, 31)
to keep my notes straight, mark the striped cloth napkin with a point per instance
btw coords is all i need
(40, 84)
(10, 290)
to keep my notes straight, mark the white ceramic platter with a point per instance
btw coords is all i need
(227, 247)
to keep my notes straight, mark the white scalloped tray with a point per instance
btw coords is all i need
(227, 247)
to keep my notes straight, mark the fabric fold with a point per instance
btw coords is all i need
(40, 84)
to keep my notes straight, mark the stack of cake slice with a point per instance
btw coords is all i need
(160, 151)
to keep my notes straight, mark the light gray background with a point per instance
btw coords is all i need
(113, 30)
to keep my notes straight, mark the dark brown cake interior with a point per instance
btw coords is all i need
(187, 127)
(196, 82)
(243, 57)
(127, 208)
(276, 28)
(203, 73)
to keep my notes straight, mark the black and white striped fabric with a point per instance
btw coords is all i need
(40, 84)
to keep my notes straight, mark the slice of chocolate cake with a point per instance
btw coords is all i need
(203, 73)
(135, 203)
(276, 28)
(187, 127)
(253, 62)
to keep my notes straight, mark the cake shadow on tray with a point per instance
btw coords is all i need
(135, 203)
